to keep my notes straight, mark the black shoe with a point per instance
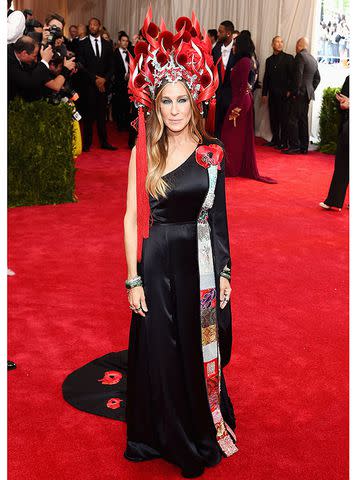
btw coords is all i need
(281, 147)
(107, 146)
(303, 151)
(291, 151)
(86, 149)
(269, 144)
(11, 365)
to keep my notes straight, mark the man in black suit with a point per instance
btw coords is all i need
(223, 51)
(306, 80)
(277, 87)
(22, 81)
(96, 56)
(120, 99)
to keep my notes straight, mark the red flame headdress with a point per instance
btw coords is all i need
(167, 57)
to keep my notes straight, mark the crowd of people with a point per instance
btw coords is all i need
(334, 39)
(89, 66)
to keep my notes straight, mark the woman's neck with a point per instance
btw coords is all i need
(176, 139)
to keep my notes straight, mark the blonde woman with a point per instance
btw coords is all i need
(178, 261)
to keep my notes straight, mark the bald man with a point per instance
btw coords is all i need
(277, 85)
(306, 80)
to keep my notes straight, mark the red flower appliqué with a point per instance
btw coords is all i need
(208, 155)
(114, 403)
(112, 377)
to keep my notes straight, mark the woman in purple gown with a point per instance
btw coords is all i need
(238, 131)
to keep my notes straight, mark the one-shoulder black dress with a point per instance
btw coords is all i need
(169, 386)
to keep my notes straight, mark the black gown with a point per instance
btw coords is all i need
(160, 388)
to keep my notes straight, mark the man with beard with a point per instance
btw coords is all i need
(96, 56)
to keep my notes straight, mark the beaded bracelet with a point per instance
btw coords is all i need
(133, 282)
(226, 273)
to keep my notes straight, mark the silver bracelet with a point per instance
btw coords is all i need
(133, 282)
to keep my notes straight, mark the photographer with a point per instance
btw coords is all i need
(62, 63)
(29, 83)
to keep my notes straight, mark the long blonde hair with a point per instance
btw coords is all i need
(157, 143)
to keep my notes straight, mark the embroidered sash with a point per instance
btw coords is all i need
(210, 158)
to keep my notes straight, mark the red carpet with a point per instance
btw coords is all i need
(288, 376)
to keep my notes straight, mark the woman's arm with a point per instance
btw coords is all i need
(130, 219)
(220, 233)
(136, 294)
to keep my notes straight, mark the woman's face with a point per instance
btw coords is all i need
(175, 106)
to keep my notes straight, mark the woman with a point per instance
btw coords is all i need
(238, 132)
(340, 180)
(180, 337)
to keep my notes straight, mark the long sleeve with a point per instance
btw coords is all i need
(218, 223)
(221, 253)
(290, 72)
(316, 79)
(299, 71)
(265, 89)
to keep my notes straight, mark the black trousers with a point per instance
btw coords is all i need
(95, 111)
(340, 179)
(279, 118)
(121, 108)
(298, 130)
(223, 100)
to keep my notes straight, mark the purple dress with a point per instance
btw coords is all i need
(239, 140)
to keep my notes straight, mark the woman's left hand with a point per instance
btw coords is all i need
(225, 292)
(235, 112)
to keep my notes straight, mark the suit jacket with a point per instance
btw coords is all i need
(93, 66)
(24, 82)
(224, 89)
(279, 74)
(306, 76)
(119, 70)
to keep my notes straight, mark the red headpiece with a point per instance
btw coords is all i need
(167, 57)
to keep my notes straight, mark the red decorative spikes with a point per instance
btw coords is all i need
(196, 24)
(162, 25)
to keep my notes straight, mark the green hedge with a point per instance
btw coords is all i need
(329, 121)
(41, 167)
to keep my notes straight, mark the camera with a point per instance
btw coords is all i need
(68, 96)
(54, 33)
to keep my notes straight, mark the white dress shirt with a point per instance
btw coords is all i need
(225, 52)
(92, 40)
(15, 26)
(123, 55)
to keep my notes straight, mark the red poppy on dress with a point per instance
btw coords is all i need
(112, 377)
(208, 155)
(114, 403)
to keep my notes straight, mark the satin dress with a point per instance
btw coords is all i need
(165, 402)
(239, 137)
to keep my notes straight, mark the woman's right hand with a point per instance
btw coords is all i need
(136, 297)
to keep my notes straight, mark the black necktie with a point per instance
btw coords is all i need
(97, 48)
(127, 56)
